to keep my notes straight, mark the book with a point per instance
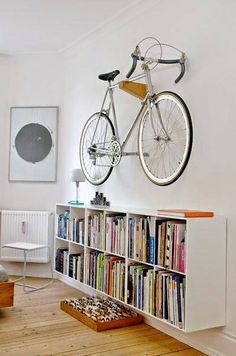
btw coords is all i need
(186, 213)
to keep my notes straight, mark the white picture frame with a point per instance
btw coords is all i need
(33, 144)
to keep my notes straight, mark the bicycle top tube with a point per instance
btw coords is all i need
(133, 79)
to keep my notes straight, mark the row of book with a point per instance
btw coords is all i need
(63, 225)
(150, 240)
(70, 228)
(76, 266)
(113, 239)
(61, 260)
(106, 273)
(70, 264)
(159, 293)
(96, 231)
(142, 239)
(115, 234)
(170, 245)
(157, 242)
(77, 230)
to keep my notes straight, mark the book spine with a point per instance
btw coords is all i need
(182, 258)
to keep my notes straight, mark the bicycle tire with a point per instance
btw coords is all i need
(163, 146)
(94, 176)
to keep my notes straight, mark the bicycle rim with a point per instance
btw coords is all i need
(97, 133)
(164, 149)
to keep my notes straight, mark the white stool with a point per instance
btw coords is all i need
(27, 247)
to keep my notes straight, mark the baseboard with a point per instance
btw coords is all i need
(33, 269)
(224, 342)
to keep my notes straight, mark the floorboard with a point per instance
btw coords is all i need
(37, 326)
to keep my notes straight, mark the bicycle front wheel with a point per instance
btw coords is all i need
(165, 138)
(95, 143)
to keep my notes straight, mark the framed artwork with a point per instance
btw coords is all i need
(33, 144)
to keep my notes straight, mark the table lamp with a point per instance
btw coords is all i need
(77, 176)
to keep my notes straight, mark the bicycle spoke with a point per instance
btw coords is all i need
(165, 151)
(95, 139)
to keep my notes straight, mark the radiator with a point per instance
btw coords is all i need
(26, 226)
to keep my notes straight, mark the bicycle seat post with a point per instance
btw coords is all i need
(110, 89)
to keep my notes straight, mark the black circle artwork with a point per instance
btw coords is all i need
(33, 142)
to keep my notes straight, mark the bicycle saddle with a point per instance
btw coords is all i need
(109, 76)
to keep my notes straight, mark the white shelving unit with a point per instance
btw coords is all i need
(205, 263)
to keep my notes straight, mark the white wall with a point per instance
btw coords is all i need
(33, 80)
(28, 80)
(206, 30)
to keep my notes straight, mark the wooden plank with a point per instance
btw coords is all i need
(139, 90)
(6, 294)
(98, 326)
(44, 329)
(189, 352)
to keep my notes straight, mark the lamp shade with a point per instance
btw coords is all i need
(77, 175)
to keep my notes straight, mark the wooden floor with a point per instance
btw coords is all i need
(37, 326)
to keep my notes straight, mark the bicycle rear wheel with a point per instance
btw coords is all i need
(95, 143)
(165, 138)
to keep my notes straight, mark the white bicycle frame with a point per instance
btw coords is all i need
(146, 103)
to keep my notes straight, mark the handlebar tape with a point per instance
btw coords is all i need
(134, 64)
(175, 61)
(182, 71)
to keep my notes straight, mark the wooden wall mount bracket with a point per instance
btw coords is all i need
(139, 90)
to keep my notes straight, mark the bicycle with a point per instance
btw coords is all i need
(165, 132)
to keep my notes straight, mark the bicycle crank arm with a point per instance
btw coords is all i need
(133, 154)
(100, 152)
(129, 153)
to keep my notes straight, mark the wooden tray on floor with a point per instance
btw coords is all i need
(100, 326)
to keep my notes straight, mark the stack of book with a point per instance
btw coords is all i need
(142, 239)
(106, 273)
(96, 237)
(157, 242)
(115, 234)
(77, 230)
(63, 225)
(61, 260)
(159, 293)
(76, 266)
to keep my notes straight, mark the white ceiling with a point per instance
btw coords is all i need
(39, 26)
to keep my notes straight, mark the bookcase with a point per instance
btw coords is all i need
(171, 269)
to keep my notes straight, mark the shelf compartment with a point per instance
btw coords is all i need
(115, 232)
(76, 262)
(106, 273)
(142, 238)
(159, 293)
(77, 225)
